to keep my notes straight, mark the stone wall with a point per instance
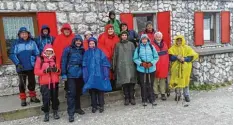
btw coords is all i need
(92, 15)
(213, 69)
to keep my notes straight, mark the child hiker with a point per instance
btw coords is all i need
(96, 74)
(146, 57)
(48, 73)
(72, 73)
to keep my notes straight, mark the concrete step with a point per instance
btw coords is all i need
(12, 110)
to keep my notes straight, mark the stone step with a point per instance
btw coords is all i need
(12, 110)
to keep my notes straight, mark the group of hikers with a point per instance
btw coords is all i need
(118, 57)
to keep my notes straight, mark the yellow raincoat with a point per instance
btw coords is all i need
(180, 72)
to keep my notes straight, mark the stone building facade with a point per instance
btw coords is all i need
(215, 62)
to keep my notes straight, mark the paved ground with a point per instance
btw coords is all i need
(206, 108)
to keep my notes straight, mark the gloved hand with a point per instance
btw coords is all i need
(54, 69)
(19, 66)
(144, 64)
(48, 70)
(149, 65)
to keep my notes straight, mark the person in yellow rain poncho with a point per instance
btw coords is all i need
(181, 57)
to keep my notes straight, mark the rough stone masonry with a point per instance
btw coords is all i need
(93, 14)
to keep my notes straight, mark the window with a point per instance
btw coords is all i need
(140, 20)
(9, 26)
(211, 27)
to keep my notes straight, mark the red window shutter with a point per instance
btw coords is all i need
(48, 18)
(225, 26)
(164, 26)
(128, 19)
(198, 28)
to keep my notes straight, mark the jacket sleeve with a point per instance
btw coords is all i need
(114, 60)
(105, 65)
(13, 54)
(36, 50)
(155, 57)
(172, 58)
(64, 63)
(37, 69)
(188, 58)
(136, 58)
(52, 40)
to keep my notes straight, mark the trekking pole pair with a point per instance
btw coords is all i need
(144, 88)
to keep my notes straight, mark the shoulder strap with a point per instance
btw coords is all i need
(151, 47)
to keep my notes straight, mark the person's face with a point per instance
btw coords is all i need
(88, 36)
(78, 43)
(124, 28)
(48, 52)
(158, 38)
(112, 16)
(124, 36)
(179, 41)
(91, 44)
(111, 31)
(144, 40)
(24, 35)
(66, 32)
(149, 27)
(45, 31)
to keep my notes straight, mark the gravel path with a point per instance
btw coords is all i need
(206, 108)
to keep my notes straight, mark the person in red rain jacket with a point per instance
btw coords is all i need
(107, 42)
(87, 35)
(48, 73)
(62, 41)
(162, 65)
(149, 31)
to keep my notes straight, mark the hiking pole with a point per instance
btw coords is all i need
(144, 89)
(152, 99)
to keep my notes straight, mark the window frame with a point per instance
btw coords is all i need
(3, 47)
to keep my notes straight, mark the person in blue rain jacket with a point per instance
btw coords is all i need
(96, 74)
(44, 38)
(72, 73)
(146, 57)
(23, 53)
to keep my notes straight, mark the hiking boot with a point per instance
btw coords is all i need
(94, 110)
(79, 111)
(144, 104)
(23, 102)
(187, 99)
(56, 116)
(71, 119)
(132, 101)
(126, 102)
(163, 97)
(35, 100)
(47, 117)
(154, 103)
(101, 109)
(156, 96)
